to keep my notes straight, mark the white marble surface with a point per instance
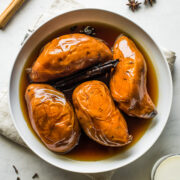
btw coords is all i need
(162, 22)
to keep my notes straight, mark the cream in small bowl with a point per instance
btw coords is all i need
(167, 168)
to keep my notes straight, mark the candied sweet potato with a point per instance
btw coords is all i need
(98, 116)
(52, 117)
(128, 83)
(68, 54)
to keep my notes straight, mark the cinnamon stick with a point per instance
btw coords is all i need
(85, 74)
(9, 12)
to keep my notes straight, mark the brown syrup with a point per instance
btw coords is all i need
(87, 149)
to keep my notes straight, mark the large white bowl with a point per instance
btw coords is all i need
(164, 81)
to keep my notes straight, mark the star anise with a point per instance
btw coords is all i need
(133, 5)
(88, 30)
(149, 2)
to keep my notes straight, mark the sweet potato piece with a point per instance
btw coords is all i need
(66, 55)
(98, 116)
(128, 83)
(52, 117)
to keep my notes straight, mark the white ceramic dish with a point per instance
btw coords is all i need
(164, 82)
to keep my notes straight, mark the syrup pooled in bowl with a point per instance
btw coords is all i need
(87, 149)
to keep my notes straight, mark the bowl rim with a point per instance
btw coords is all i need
(170, 95)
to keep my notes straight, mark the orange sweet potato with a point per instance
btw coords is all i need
(100, 119)
(52, 117)
(66, 55)
(128, 83)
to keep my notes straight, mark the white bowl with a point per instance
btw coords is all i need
(164, 81)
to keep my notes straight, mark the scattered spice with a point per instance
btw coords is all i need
(149, 2)
(15, 169)
(88, 30)
(28, 70)
(35, 176)
(133, 5)
(131, 62)
(17, 172)
(73, 28)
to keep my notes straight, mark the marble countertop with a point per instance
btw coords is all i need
(162, 22)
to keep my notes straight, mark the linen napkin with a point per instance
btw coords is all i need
(7, 128)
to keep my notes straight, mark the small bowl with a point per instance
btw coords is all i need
(159, 162)
(164, 82)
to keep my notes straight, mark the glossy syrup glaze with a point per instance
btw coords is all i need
(99, 117)
(128, 82)
(52, 117)
(68, 54)
(87, 149)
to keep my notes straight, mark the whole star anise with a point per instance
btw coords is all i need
(149, 2)
(133, 5)
(88, 30)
